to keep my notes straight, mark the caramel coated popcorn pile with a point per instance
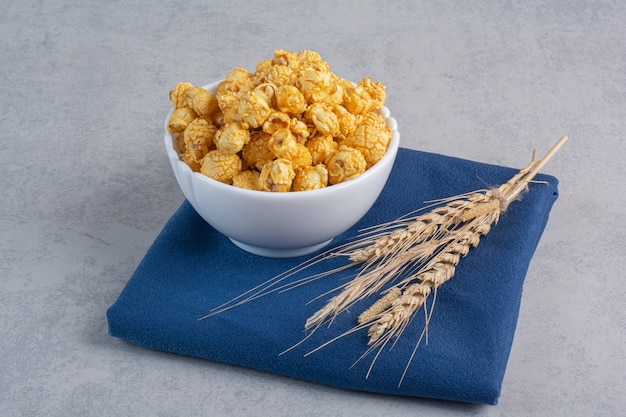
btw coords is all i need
(292, 125)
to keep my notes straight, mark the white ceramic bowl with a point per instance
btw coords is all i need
(282, 225)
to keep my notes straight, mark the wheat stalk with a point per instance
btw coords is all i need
(420, 256)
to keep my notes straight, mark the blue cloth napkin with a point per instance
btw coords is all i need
(191, 268)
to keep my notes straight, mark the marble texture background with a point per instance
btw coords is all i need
(85, 186)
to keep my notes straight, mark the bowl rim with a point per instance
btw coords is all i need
(388, 157)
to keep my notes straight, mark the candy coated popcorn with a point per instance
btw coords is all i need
(191, 155)
(203, 102)
(321, 146)
(344, 164)
(180, 118)
(280, 75)
(195, 141)
(286, 58)
(180, 96)
(231, 138)
(310, 178)
(291, 125)
(277, 176)
(199, 133)
(316, 85)
(365, 97)
(322, 116)
(371, 140)
(284, 145)
(253, 109)
(268, 91)
(256, 152)
(247, 179)
(347, 121)
(290, 100)
(221, 166)
(240, 79)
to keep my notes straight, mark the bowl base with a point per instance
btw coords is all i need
(280, 253)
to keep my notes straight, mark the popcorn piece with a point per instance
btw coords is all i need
(347, 121)
(321, 146)
(284, 145)
(239, 79)
(231, 138)
(366, 96)
(195, 141)
(277, 176)
(247, 179)
(322, 116)
(311, 57)
(290, 100)
(268, 91)
(179, 96)
(180, 118)
(275, 121)
(310, 178)
(344, 164)
(300, 130)
(199, 133)
(190, 155)
(262, 69)
(371, 140)
(203, 102)
(374, 119)
(256, 152)
(253, 109)
(315, 85)
(285, 58)
(280, 75)
(221, 166)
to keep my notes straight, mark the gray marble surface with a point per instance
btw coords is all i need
(85, 185)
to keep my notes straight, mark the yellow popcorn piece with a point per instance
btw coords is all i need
(277, 176)
(228, 96)
(253, 109)
(239, 79)
(191, 155)
(280, 75)
(180, 118)
(322, 116)
(347, 121)
(256, 152)
(321, 146)
(300, 130)
(365, 97)
(290, 100)
(221, 166)
(247, 179)
(286, 58)
(203, 102)
(310, 178)
(268, 91)
(316, 85)
(262, 69)
(344, 164)
(284, 145)
(371, 138)
(275, 121)
(231, 138)
(199, 133)
(180, 95)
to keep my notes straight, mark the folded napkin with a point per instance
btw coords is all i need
(191, 268)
